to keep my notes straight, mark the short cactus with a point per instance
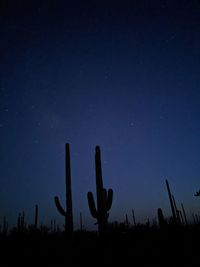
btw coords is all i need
(104, 197)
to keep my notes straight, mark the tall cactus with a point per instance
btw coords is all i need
(68, 212)
(104, 197)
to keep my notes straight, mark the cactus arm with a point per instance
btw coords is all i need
(91, 204)
(109, 199)
(59, 207)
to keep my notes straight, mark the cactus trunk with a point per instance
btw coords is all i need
(69, 214)
(68, 211)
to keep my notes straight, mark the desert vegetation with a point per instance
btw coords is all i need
(168, 241)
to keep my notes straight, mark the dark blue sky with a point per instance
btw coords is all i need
(120, 74)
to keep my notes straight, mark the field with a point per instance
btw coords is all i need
(139, 246)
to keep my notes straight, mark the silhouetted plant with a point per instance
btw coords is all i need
(194, 219)
(81, 222)
(162, 222)
(36, 216)
(44, 229)
(5, 226)
(184, 214)
(133, 216)
(171, 203)
(197, 219)
(127, 223)
(197, 194)
(21, 222)
(104, 197)
(54, 225)
(178, 215)
(67, 212)
(181, 217)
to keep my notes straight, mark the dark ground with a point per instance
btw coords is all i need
(141, 247)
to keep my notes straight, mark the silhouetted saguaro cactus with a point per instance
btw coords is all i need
(104, 197)
(68, 212)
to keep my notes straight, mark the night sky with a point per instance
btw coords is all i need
(123, 75)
